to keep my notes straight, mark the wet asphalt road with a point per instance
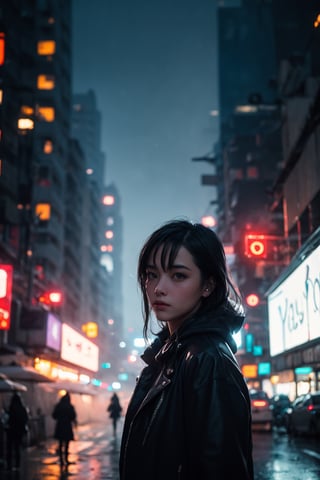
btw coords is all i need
(278, 456)
(93, 455)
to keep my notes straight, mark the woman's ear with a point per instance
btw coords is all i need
(208, 288)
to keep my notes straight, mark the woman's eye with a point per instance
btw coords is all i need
(150, 275)
(179, 276)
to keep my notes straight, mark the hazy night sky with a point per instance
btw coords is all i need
(152, 66)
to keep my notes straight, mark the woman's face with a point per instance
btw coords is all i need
(174, 294)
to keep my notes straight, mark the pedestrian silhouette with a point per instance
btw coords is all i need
(16, 429)
(65, 415)
(114, 409)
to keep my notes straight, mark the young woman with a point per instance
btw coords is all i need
(189, 416)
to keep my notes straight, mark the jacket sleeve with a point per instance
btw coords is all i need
(217, 420)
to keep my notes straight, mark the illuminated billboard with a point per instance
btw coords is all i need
(77, 349)
(294, 307)
(53, 334)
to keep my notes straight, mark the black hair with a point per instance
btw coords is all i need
(208, 254)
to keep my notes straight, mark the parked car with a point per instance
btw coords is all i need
(304, 415)
(279, 405)
(261, 410)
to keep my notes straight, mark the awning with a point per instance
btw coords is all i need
(26, 374)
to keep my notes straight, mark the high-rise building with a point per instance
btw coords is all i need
(35, 130)
(51, 210)
(86, 128)
(103, 238)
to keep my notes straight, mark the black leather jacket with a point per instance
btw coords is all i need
(189, 416)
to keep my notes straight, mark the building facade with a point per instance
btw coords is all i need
(52, 215)
(267, 202)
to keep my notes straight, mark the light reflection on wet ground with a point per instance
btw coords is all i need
(279, 457)
(93, 456)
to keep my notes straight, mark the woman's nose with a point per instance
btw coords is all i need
(159, 288)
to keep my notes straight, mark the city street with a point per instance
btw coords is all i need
(95, 453)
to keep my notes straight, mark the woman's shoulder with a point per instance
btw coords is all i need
(205, 355)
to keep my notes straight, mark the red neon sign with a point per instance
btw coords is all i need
(6, 274)
(256, 246)
(2, 48)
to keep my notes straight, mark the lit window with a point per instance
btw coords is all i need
(110, 221)
(45, 82)
(107, 262)
(89, 171)
(246, 109)
(25, 124)
(47, 146)
(46, 47)
(43, 211)
(1, 96)
(106, 248)
(46, 114)
(109, 234)
(108, 200)
(26, 110)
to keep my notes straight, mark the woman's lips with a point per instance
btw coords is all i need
(160, 305)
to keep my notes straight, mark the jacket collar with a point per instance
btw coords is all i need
(221, 323)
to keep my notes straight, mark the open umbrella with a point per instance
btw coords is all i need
(7, 385)
(26, 374)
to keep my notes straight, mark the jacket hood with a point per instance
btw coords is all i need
(222, 322)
